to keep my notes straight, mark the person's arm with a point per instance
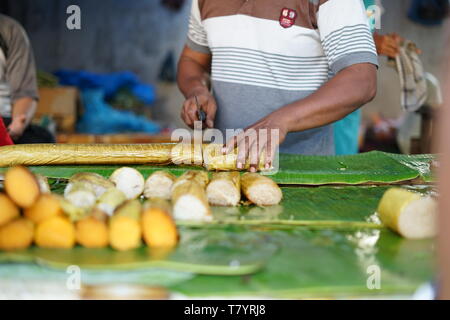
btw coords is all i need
(351, 53)
(21, 77)
(350, 89)
(23, 110)
(194, 68)
(193, 81)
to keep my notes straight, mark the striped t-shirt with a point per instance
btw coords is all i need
(267, 54)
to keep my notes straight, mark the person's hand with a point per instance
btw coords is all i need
(17, 127)
(265, 135)
(206, 102)
(388, 45)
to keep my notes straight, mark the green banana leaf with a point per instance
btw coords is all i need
(312, 206)
(324, 206)
(345, 207)
(308, 264)
(328, 264)
(203, 251)
(371, 167)
(28, 272)
(421, 163)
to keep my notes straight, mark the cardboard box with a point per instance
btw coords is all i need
(61, 104)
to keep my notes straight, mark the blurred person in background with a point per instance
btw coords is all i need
(18, 84)
(346, 131)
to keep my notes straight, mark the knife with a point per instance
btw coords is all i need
(200, 113)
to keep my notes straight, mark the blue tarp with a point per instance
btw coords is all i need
(101, 118)
(109, 83)
(98, 116)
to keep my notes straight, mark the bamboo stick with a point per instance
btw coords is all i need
(224, 189)
(159, 185)
(58, 154)
(189, 196)
(408, 213)
(260, 190)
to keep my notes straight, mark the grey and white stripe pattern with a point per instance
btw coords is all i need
(197, 32)
(249, 66)
(348, 40)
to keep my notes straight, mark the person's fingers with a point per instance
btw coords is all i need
(394, 48)
(391, 49)
(390, 40)
(270, 152)
(208, 104)
(391, 46)
(233, 143)
(254, 154)
(243, 150)
(267, 160)
(190, 112)
(398, 39)
(185, 115)
(229, 145)
(211, 109)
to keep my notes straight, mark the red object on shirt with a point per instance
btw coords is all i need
(5, 139)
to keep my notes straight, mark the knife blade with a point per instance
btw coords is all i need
(200, 113)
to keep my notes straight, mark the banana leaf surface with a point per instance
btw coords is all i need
(348, 206)
(422, 163)
(328, 264)
(201, 251)
(310, 263)
(371, 167)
